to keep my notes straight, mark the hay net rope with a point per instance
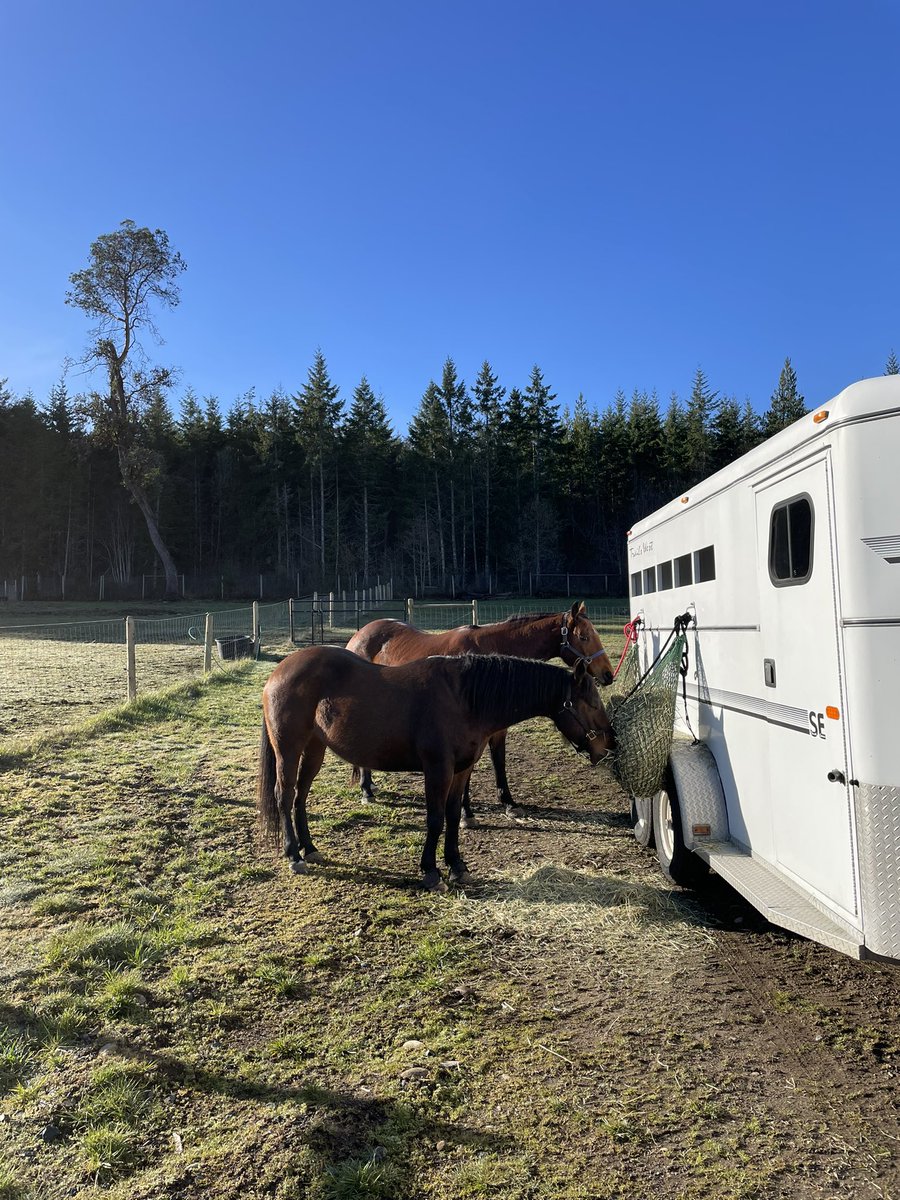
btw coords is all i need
(642, 710)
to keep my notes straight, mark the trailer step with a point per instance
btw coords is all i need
(778, 900)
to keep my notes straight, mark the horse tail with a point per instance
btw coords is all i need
(267, 805)
(355, 776)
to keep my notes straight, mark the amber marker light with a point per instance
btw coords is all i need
(684, 499)
(832, 712)
(820, 417)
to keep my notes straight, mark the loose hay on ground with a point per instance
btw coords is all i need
(555, 903)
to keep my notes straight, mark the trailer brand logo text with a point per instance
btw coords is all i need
(636, 549)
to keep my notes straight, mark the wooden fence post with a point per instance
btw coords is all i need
(207, 644)
(409, 610)
(255, 625)
(129, 653)
(474, 612)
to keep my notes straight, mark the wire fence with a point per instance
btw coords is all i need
(56, 675)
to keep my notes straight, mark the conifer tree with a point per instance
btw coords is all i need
(429, 437)
(786, 405)
(318, 418)
(371, 451)
(489, 409)
(701, 411)
(892, 367)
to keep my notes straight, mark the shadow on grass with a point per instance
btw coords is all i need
(379, 1139)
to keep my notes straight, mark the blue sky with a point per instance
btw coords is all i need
(618, 192)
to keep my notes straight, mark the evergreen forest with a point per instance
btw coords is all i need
(491, 488)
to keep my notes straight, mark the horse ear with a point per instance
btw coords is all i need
(576, 609)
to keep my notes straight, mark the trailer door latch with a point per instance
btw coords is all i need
(769, 671)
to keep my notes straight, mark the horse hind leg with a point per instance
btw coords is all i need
(286, 770)
(310, 765)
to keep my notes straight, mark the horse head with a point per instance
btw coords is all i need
(582, 641)
(582, 720)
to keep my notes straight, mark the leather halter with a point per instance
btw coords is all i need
(590, 734)
(565, 644)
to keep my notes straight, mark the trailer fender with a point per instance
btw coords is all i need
(704, 817)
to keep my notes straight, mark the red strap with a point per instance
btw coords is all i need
(631, 637)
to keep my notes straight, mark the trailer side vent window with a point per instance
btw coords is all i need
(790, 542)
(636, 589)
(706, 564)
(649, 579)
(683, 573)
(664, 572)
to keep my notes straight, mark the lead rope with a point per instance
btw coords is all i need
(684, 621)
(680, 625)
(631, 636)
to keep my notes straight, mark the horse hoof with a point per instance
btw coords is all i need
(468, 821)
(515, 810)
(460, 878)
(313, 856)
(434, 883)
(298, 866)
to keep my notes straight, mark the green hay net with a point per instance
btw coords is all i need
(643, 720)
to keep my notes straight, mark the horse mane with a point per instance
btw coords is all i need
(521, 618)
(489, 681)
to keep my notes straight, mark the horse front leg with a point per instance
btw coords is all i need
(437, 785)
(310, 765)
(459, 872)
(497, 747)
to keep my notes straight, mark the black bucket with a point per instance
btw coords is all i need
(236, 645)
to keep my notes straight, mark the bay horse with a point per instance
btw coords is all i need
(567, 635)
(433, 715)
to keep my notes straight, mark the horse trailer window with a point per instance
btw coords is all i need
(683, 572)
(636, 589)
(791, 542)
(649, 579)
(706, 564)
(664, 572)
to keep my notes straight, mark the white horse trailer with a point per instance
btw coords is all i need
(788, 560)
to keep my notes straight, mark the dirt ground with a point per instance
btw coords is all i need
(768, 1037)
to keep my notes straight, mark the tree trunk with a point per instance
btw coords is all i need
(168, 564)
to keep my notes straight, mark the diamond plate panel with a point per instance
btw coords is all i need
(878, 831)
(699, 790)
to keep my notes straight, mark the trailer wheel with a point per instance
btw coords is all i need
(642, 821)
(678, 863)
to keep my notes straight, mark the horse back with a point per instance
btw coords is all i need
(390, 642)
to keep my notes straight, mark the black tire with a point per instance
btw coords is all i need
(642, 821)
(677, 862)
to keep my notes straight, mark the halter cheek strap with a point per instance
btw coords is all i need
(589, 733)
(567, 645)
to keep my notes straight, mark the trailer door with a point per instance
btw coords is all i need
(800, 668)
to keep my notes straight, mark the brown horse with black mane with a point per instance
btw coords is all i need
(568, 635)
(433, 716)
